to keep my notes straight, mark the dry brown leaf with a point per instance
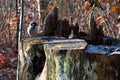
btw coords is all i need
(78, 0)
(101, 19)
(102, 1)
(114, 8)
(50, 6)
(118, 1)
(110, 0)
(65, 1)
(86, 6)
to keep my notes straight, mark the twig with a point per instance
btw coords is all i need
(20, 37)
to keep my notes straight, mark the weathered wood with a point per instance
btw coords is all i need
(111, 41)
(96, 34)
(58, 53)
(66, 59)
(50, 22)
(66, 44)
(63, 28)
(54, 58)
(32, 61)
(76, 64)
(103, 49)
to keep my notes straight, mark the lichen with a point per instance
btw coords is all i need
(59, 61)
(89, 70)
(77, 65)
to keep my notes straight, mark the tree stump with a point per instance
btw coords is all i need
(54, 58)
(66, 60)
(60, 57)
(32, 59)
(50, 58)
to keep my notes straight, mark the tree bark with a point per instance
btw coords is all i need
(31, 64)
(51, 58)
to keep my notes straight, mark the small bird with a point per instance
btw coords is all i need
(32, 29)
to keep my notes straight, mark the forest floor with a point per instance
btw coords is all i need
(8, 62)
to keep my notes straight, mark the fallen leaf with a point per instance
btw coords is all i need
(86, 6)
(50, 6)
(101, 19)
(114, 8)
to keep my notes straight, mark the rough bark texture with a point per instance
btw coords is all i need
(32, 61)
(77, 65)
(55, 58)
(96, 33)
(50, 23)
(60, 61)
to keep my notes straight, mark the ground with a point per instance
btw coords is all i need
(8, 62)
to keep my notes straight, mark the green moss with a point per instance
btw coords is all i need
(59, 61)
(74, 65)
(68, 66)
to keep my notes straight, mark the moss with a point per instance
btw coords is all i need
(68, 66)
(77, 65)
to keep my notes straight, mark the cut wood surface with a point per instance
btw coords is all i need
(53, 58)
(87, 64)
(68, 44)
(57, 54)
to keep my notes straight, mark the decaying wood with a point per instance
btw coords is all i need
(38, 66)
(96, 34)
(107, 50)
(63, 63)
(63, 28)
(50, 23)
(33, 61)
(67, 44)
(57, 58)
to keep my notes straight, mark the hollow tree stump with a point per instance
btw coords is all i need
(32, 59)
(50, 58)
(60, 58)
(70, 62)
(55, 58)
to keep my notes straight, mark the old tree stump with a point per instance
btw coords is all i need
(47, 57)
(67, 59)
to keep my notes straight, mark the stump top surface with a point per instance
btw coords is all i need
(103, 49)
(68, 44)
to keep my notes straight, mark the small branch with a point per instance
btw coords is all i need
(21, 20)
(20, 37)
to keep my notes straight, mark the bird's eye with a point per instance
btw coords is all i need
(32, 24)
